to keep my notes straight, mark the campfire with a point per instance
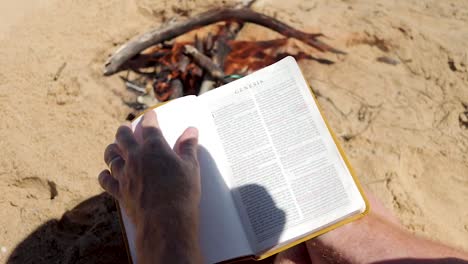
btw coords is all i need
(159, 69)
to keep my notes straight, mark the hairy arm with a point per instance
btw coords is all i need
(159, 188)
(378, 238)
(174, 239)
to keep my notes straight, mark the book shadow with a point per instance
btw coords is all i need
(269, 219)
(91, 233)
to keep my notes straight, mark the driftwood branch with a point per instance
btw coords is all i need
(203, 61)
(221, 46)
(140, 43)
(177, 89)
(219, 50)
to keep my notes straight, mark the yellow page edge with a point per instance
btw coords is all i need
(297, 242)
(342, 222)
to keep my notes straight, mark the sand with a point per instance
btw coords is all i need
(398, 122)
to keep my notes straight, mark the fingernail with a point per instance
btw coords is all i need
(100, 176)
(193, 131)
(149, 119)
(127, 123)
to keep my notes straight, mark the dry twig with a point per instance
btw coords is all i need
(177, 89)
(140, 43)
(203, 61)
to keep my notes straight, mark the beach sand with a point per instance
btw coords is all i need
(394, 100)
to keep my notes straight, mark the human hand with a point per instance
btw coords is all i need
(159, 187)
(147, 175)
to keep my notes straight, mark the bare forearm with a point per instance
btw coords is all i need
(159, 187)
(373, 239)
(169, 239)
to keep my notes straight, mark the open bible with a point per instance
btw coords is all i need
(272, 173)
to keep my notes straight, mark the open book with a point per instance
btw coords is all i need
(272, 173)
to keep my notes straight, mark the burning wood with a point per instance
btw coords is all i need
(193, 67)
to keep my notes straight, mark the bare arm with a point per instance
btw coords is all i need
(378, 238)
(159, 188)
(172, 240)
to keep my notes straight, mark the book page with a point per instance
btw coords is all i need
(287, 176)
(221, 233)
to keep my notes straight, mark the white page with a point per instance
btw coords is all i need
(286, 172)
(221, 233)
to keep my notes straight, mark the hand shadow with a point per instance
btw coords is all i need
(89, 233)
(253, 200)
(265, 218)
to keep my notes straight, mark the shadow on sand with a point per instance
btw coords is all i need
(91, 232)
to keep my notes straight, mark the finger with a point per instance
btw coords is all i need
(150, 119)
(150, 125)
(109, 183)
(125, 140)
(114, 161)
(187, 144)
(116, 167)
(112, 151)
(138, 132)
(151, 134)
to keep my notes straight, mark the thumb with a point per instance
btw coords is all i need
(187, 144)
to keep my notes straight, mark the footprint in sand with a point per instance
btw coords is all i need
(37, 188)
